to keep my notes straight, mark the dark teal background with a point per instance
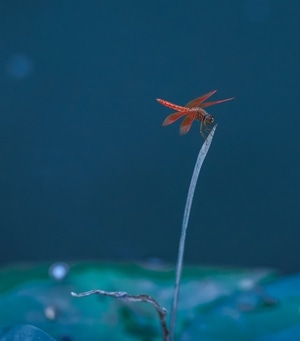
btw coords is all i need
(87, 171)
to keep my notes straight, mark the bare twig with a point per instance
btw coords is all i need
(122, 295)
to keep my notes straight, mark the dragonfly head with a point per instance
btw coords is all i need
(209, 119)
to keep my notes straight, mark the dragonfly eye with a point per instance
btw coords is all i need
(209, 119)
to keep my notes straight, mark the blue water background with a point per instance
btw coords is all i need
(87, 171)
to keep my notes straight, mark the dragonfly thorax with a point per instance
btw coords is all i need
(204, 117)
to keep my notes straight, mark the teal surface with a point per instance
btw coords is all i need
(23, 333)
(215, 304)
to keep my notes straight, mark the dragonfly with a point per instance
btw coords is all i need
(193, 110)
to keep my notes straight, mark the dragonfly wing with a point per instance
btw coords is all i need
(197, 101)
(208, 104)
(187, 123)
(173, 117)
(170, 105)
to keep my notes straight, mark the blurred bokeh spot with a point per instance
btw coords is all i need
(19, 66)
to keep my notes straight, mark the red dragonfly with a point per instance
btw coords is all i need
(194, 110)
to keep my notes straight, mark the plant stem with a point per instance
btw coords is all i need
(201, 156)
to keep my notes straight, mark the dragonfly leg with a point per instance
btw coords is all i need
(207, 128)
(201, 130)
